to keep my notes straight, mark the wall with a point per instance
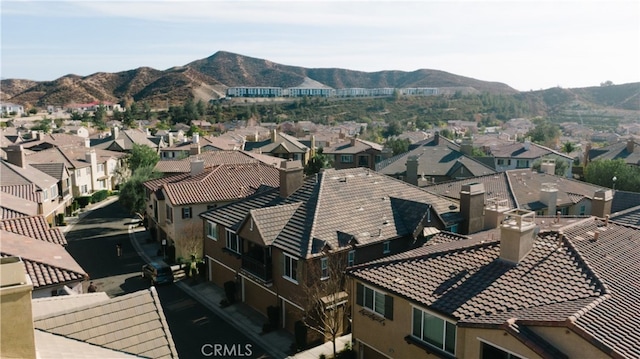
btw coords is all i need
(569, 342)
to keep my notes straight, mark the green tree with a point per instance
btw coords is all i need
(394, 128)
(132, 192)
(568, 147)
(317, 162)
(545, 133)
(562, 166)
(142, 156)
(602, 172)
(397, 145)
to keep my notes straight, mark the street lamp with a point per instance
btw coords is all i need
(614, 179)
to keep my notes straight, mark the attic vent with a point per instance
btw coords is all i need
(343, 179)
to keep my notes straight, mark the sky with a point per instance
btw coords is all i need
(528, 45)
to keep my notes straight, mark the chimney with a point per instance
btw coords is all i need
(517, 235)
(171, 139)
(601, 203)
(549, 196)
(527, 144)
(630, 145)
(548, 166)
(197, 166)
(291, 177)
(92, 159)
(353, 141)
(40, 135)
(494, 212)
(436, 138)
(195, 138)
(87, 143)
(194, 150)
(274, 135)
(17, 339)
(412, 170)
(341, 135)
(115, 132)
(586, 154)
(466, 146)
(471, 207)
(16, 156)
(313, 146)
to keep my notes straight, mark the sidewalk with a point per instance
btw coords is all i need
(241, 316)
(71, 221)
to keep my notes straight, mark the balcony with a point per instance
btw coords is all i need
(258, 268)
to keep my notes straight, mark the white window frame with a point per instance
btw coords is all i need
(324, 268)
(292, 273)
(45, 195)
(212, 230)
(54, 191)
(444, 329)
(186, 212)
(351, 258)
(375, 297)
(100, 167)
(88, 171)
(386, 247)
(233, 240)
(346, 158)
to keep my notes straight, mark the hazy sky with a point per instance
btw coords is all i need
(527, 45)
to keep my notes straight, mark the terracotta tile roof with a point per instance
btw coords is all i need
(347, 148)
(27, 191)
(46, 263)
(73, 157)
(214, 158)
(42, 307)
(125, 141)
(13, 206)
(495, 185)
(55, 170)
(434, 159)
(133, 323)
(51, 346)
(221, 183)
(13, 175)
(271, 220)
(590, 286)
(359, 202)
(34, 227)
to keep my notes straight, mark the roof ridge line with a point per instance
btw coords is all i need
(320, 179)
(591, 271)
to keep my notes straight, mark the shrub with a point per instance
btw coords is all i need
(99, 196)
(83, 201)
(60, 219)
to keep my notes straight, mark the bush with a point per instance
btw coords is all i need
(60, 219)
(300, 332)
(99, 196)
(230, 291)
(83, 201)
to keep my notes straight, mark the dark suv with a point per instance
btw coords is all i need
(157, 273)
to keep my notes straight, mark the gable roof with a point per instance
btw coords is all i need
(215, 158)
(13, 175)
(361, 203)
(617, 150)
(568, 279)
(13, 206)
(283, 141)
(34, 227)
(72, 156)
(46, 263)
(518, 150)
(125, 140)
(133, 323)
(436, 157)
(55, 170)
(227, 182)
(347, 148)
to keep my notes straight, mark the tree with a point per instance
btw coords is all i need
(568, 147)
(393, 129)
(191, 245)
(324, 296)
(561, 165)
(132, 192)
(317, 163)
(545, 132)
(142, 156)
(398, 146)
(602, 172)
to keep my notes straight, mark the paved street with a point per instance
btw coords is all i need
(197, 332)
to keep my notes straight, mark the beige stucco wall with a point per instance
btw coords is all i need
(469, 343)
(17, 339)
(569, 342)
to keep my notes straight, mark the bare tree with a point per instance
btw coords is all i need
(325, 298)
(191, 244)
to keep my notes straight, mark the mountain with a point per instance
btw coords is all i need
(208, 78)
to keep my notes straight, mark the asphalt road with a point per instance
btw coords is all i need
(197, 332)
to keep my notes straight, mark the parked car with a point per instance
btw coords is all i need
(157, 273)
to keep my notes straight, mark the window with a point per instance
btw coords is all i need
(374, 300)
(169, 213)
(453, 228)
(100, 167)
(88, 171)
(324, 268)
(434, 330)
(351, 258)
(378, 158)
(45, 195)
(346, 158)
(83, 188)
(491, 352)
(583, 210)
(291, 268)
(186, 212)
(54, 192)
(500, 162)
(522, 163)
(78, 174)
(212, 230)
(386, 247)
(363, 161)
(233, 242)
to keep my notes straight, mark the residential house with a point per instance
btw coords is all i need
(520, 155)
(7, 108)
(50, 267)
(199, 144)
(283, 146)
(270, 243)
(215, 158)
(543, 193)
(123, 140)
(354, 153)
(87, 325)
(174, 202)
(435, 160)
(629, 151)
(526, 291)
(92, 106)
(21, 182)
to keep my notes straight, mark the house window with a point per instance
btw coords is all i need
(88, 170)
(452, 228)
(186, 212)
(54, 192)
(378, 158)
(386, 247)
(375, 301)
(346, 158)
(522, 164)
(500, 162)
(363, 161)
(169, 213)
(100, 167)
(45, 195)
(291, 268)
(351, 258)
(489, 351)
(212, 230)
(434, 330)
(583, 210)
(83, 188)
(233, 242)
(78, 174)
(324, 268)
